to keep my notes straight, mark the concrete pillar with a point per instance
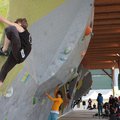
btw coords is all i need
(115, 82)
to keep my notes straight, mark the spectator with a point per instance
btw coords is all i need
(84, 104)
(100, 104)
(114, 110)
(89, 104)
(94, 106)
(111, 100)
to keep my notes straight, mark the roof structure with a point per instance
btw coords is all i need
(104, 49)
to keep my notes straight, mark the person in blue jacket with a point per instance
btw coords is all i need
(100, 104)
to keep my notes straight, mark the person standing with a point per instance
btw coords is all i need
(84, 104)
(100, 104)
(57, 102)
(89, 104)
(111, 99)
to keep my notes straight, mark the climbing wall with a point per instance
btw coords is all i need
(59, 40)
(76, 88)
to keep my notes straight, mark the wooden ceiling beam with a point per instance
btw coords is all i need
(106, 2)
(99, 55)
(106, 36)
(101, 66)
(102, 59)
(107, 9)
(105, 44)
(108, 31)
(99, 40)
(107, 22)
(106, 27)
(115, 42)
(106, 41)
(104, 63)
(102, 54)
(105, 47)
(99, 61)
(107, 16)
(101, 51)
(104, 51)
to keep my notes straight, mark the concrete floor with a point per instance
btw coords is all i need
(81, 115)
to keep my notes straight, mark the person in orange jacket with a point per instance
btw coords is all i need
(57, 101)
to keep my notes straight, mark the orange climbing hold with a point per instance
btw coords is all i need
(88, 30)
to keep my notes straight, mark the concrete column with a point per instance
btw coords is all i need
(115, 82)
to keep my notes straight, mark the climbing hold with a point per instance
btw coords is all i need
(67, 50)
(88, 30)
(25, 78)
(34, 101)
(43, 101)
(9, 92)
(63, 58)
(52, 73)
(79, 84)
(83, 53)
(74, 73)
(73, 70)
(6, 119)
(92, 34)
(82, 39)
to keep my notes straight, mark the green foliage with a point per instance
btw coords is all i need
(4, 4)
(4, 7)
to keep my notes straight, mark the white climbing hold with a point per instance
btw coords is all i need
(52, 73)
(63, 58)
(74, 75)
(72, 70)
(92, 34)
(9, 92)
(43, 101)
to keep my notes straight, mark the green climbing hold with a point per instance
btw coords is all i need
(67, 50)
(34, 100)
(6, 119)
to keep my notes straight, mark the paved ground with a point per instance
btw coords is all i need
(81, 115)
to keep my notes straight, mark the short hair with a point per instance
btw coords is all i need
(99, 94)
(59, 93)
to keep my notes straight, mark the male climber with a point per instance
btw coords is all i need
(18, 37)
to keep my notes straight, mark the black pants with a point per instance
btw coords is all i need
(14, 57)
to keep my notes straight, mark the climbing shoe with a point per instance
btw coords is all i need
(3, 53)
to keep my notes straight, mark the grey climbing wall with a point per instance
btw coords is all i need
(58, 44)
